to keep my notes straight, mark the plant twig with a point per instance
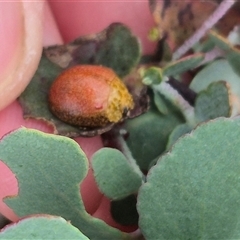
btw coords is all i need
(223, 7)
(173, 96)
(126, 151)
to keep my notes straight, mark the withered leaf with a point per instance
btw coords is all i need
(178, 20)
(114, 47)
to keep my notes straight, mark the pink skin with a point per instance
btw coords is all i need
(73, 19)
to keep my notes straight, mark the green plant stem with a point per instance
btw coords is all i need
(223, 7)
(126, 151)
(172, 95)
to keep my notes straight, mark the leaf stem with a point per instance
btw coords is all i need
(126, 151)
(223, 7)
(172, 95)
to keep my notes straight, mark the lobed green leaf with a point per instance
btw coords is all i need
(193, 192)
(219, 70)
(148, 134)
(232, 53)
(41, 227)
(213, 102)
(114, 175)
(49, 170)
(159, 102)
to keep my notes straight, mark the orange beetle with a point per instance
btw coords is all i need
(89, 96)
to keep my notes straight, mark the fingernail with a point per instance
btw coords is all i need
(21, 46)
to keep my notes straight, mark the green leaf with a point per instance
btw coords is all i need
(148, 134)
(152, 75)
(177, 132)
(42, 227)
(49, 169)
(124, 211)
(213, 102)
(120, 51)
(204, 46)
(219, 70)
(114, 175)
(193, 192)
(233, 58)
(159, 102)
(232, 53)
(183, 65)
(220, 41)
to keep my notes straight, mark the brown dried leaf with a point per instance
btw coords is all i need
(115, 47)
(178, 20)
(138, 90)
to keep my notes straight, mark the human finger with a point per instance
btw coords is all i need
(21, 46)
(11, 118)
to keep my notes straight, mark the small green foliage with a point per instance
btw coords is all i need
(110, 169)
(204, 46)
(220, 41)
(213, 102)
(193, 192)
(148, 134)
(219, 70)
(41, 227)
(232, 53)
(152, 75)
(56, 166)
(159, 102)
(233, 58)
(182, 65)
(120, 50)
